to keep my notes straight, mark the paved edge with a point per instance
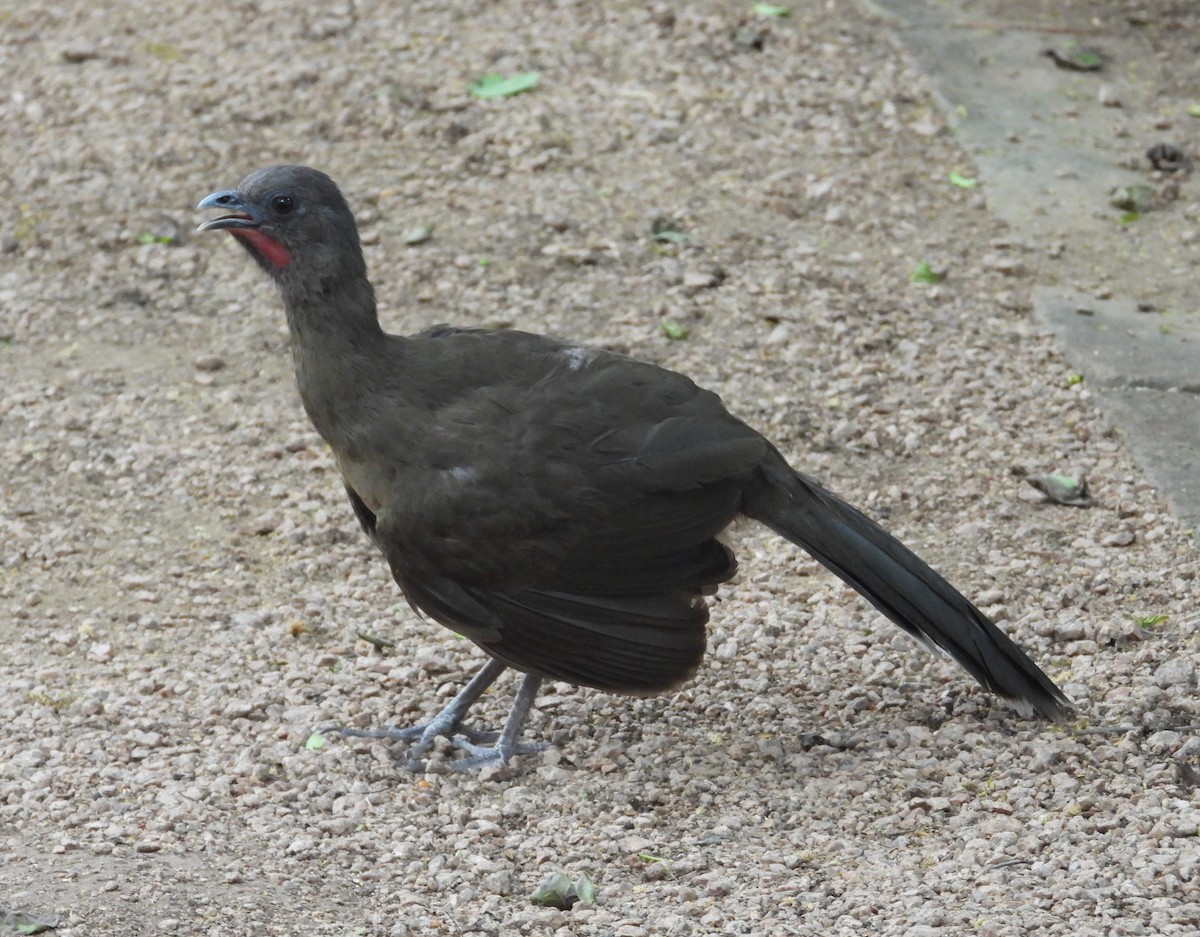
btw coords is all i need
(1144, 371)
(1146, 381)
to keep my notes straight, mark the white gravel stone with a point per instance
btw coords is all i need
(1178, 671)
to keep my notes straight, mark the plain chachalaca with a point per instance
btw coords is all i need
(557, 504)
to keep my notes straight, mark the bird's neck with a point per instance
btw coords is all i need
(338, 347)
(335, 312)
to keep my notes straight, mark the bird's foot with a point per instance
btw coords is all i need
(421, 737)
(496, 757)
(446, 724)
(484, 749)
(480, 757)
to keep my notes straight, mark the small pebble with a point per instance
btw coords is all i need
(1007, 265)
(1177, 671)
(1122, 538)
(29, 758)
(79, 50)
(418, 235)
(702, 279)
(208, 362)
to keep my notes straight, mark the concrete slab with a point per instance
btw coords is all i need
(1124, 299)
(1024, 121)
(1146, 379)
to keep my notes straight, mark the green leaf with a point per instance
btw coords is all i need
(770, 9)
(926, 274)
(148, 238)
(1132, 198)
(963, 182)
(584, 889)
(554, 892)
(22, 923)
(667, 231)
(1061, 489)
(1076, 58)
(1129, 217)
(558, 891)
(315, 742)
(1193, 110)
(673, 330)
(163, 51)
(498, 86)
(1149, 621)
(1074, 378)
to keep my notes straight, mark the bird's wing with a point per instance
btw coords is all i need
(568, 526)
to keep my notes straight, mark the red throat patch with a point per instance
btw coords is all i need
(267, 248)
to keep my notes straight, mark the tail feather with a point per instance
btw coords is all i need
(898, 583)
(624, 644)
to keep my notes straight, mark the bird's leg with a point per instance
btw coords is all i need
(446, 723)
(506, 745)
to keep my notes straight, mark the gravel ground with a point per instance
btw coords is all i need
(182, 584)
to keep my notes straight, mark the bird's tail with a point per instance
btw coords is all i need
(898, 583)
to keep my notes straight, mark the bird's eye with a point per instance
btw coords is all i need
(282, 204)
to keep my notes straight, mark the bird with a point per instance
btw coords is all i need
(559, 505)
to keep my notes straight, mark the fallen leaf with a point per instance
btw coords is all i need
(1076, 58)
(499, 86)
(673, 330)
(21, 923)
(1062, 489)
(558, 891)
(926, 274)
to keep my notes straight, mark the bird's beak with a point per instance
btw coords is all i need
(244, 216)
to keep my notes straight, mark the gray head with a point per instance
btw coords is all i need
(295, 223)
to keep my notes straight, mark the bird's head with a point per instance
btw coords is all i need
(289, 219)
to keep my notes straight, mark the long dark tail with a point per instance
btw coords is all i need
(898, 583)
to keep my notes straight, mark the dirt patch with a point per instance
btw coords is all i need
(182, 582)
